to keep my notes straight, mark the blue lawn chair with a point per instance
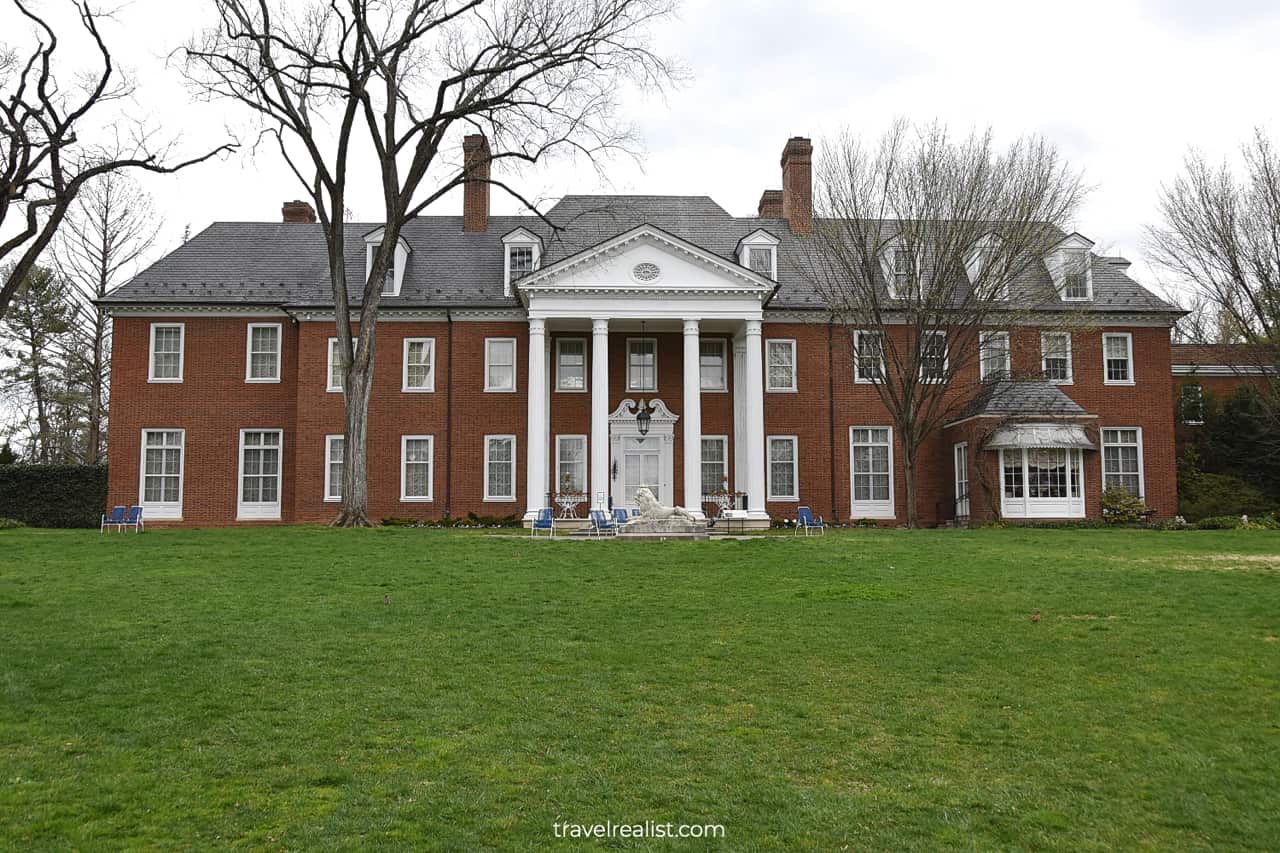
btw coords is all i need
(545, 521)
(620, 517)
(116, 518)
(806, 522)
(134, 520)
(600, 523)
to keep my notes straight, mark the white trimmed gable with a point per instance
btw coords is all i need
(759, 241)
(645, 272)
(519, 239)
(1057, 262)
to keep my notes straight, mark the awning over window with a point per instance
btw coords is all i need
(1039, 435)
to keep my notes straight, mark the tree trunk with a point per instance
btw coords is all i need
(354, 510)
(909, 474)
(42, 414)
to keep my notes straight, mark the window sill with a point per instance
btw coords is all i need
(249, 381)
(333, 500)
(492, 500)
(152, 381)
(773, 499)
(572, 390)
(1125, 382)
(499, 390)
(430, 390)
(782, 390)
(713, 390)
(1061, 381)
(333, 390)
(410, 500)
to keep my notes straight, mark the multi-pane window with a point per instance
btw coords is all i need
(520, 259)
(416, 456)
(902, 270)
(1041, 482)
(933, 357)
(263, 362)
(333, 450)
(760, 259)
(419, 364)
(1075, 274)
(1117, 351)
(961, 452)
(1122, 459)
(1055, 356)
(715, 463)
(499, 467)
(259, 473)
(1191, 403)
(711, 368)
(869, 356)
(162, 472)
(571, 464)
(871, 468)
(389, 277)
(994, 352)
(336, 373)
(781, 365)
(499, 364)
(166, 352)
(571, 364)
(642, 364)
(783, 468)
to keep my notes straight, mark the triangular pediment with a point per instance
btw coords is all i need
(646, 259)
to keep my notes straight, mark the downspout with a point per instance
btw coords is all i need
(448, 421)
(831, 416)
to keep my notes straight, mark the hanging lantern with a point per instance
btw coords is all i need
(642, 418)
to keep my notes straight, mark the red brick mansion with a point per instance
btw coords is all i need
(513, 359)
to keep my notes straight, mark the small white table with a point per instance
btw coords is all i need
(568, 503)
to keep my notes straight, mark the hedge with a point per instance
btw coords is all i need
(53, 495)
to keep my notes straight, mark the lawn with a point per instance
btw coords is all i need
(415, 689)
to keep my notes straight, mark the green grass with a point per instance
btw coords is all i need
(869, 690)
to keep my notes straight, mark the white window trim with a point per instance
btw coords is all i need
(1071, 374)
(331, 360)
(1088, 276)
(515, 362)
(724, 365)
(1128, 336)
(946, 356)
(627, 365)
(585, 461)
(430, 387)
(329, 497)
(248, 352)
(759, 239)
(872, 509)
(857, 355)
(1102, 460)
(795, 468)
(586, 372)
(520, 238)
(404, 469)
(724, 460)
(795, 368)
(1071, 506)
(488, 497)
(959, 457)
(983, 338)
(261, 510)
(182, 352)
(163, 510)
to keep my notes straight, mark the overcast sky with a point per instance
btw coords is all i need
(1123, 88)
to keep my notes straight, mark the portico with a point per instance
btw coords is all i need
(644, 286)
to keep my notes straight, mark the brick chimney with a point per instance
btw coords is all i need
(797, 184)
(475, 191)
(770, 205)
(298, 211)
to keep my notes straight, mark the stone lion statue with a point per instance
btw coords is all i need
(654, 511)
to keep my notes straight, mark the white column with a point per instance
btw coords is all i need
(599, 480)
(754, 382)
(539, 411)
(692, 420)
(739, 412)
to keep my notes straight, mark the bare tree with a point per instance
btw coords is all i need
(52, 142)
(923, 242)
(110, 227)
(406, 78)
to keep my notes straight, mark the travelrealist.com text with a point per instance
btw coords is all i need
(645, 829)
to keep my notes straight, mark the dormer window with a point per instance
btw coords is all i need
(394, 278)
(522, 254)
(758, 252)
(1070, 266)
(983, 276)
(901, 272)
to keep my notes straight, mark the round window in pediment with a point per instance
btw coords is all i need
(646, 272)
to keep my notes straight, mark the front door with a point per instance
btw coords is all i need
(641, 465)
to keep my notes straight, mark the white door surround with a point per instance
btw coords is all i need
(627, 445)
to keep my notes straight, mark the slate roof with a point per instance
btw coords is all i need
(1246, 355)
(275, 263)
(1021, 398)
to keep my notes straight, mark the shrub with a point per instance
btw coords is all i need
(10, 523)
(1203, 495)
(1120, 506)
(53, 495)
